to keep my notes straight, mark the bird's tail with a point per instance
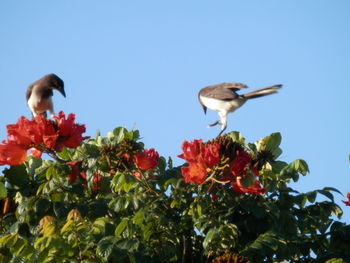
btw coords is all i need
(262, 92)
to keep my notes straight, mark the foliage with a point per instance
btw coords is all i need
(111, 200)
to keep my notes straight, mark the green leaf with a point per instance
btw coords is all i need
(162, 164)
(248, 180)
(105, 247)
(327, 194)
(332, 189)
(42, 206)
(86, 150)
(199, 210)
(270, 143)
(3, 191)
(335, 260)
(32, 164)
(301, 166)
(170, 163)
(119, 133)
(311, 196)
(139, 217)
(128, 186)
(66, 154)
(208, 237)
(130, 245)
(44, 166)
(17, 175)
(50, 173)
(121, 226)
(236, 137)
(266, 241)
(277, 166)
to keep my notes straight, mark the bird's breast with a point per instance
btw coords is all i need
(38, 104)
(222, 105)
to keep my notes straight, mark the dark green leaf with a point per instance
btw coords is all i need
(248, 180)
(105, 247)
(17, 175)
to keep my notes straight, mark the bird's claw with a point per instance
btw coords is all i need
(213, 124)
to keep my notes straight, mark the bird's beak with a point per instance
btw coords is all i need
(61, 90)
(204, 109)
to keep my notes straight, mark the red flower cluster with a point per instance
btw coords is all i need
(146, 160)
(200, 157)
(40, 134)
(348, 201)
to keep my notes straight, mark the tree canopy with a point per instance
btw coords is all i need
(110, 199)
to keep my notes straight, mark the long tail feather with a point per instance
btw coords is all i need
(262, 92)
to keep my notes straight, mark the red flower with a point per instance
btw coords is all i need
(83, 175)
(75, 171)
(348, 201)
(70, 133)
(194, 173)
(146, 160)
(12, 154)
(35, 152)
(47, 131)
(20, 133)
(126, 157)
(191, 150)
(240, 163)
(197, 151)
(199, 156)
(137, 175)
(210, 154)
(256, 188)
(96, 180)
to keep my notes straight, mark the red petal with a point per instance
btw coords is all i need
(12, 154)
(35, 152)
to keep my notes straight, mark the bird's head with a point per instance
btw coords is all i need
(56, 83)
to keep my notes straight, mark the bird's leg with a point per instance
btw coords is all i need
(213, 124)
(50, 108)
(222, 131)
(223, 121)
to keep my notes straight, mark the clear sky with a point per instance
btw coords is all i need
(143, 63)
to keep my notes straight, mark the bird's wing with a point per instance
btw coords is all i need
(223, 91)
(29, 92)
(234, 86)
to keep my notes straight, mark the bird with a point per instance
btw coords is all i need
(39, 94)
(223, 99)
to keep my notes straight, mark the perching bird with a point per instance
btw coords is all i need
(224, 99)
(39, 94)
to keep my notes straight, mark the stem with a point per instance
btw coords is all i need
(187, 249)
(144, 180)
(53, 154)
(211, 177)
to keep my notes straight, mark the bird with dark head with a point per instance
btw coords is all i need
(39, 94)
(223, 99)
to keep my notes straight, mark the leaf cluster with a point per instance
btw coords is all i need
(109, 214)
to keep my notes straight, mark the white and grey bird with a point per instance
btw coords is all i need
(39, 94)
(223, 99)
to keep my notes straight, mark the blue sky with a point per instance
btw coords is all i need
(143, 63)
